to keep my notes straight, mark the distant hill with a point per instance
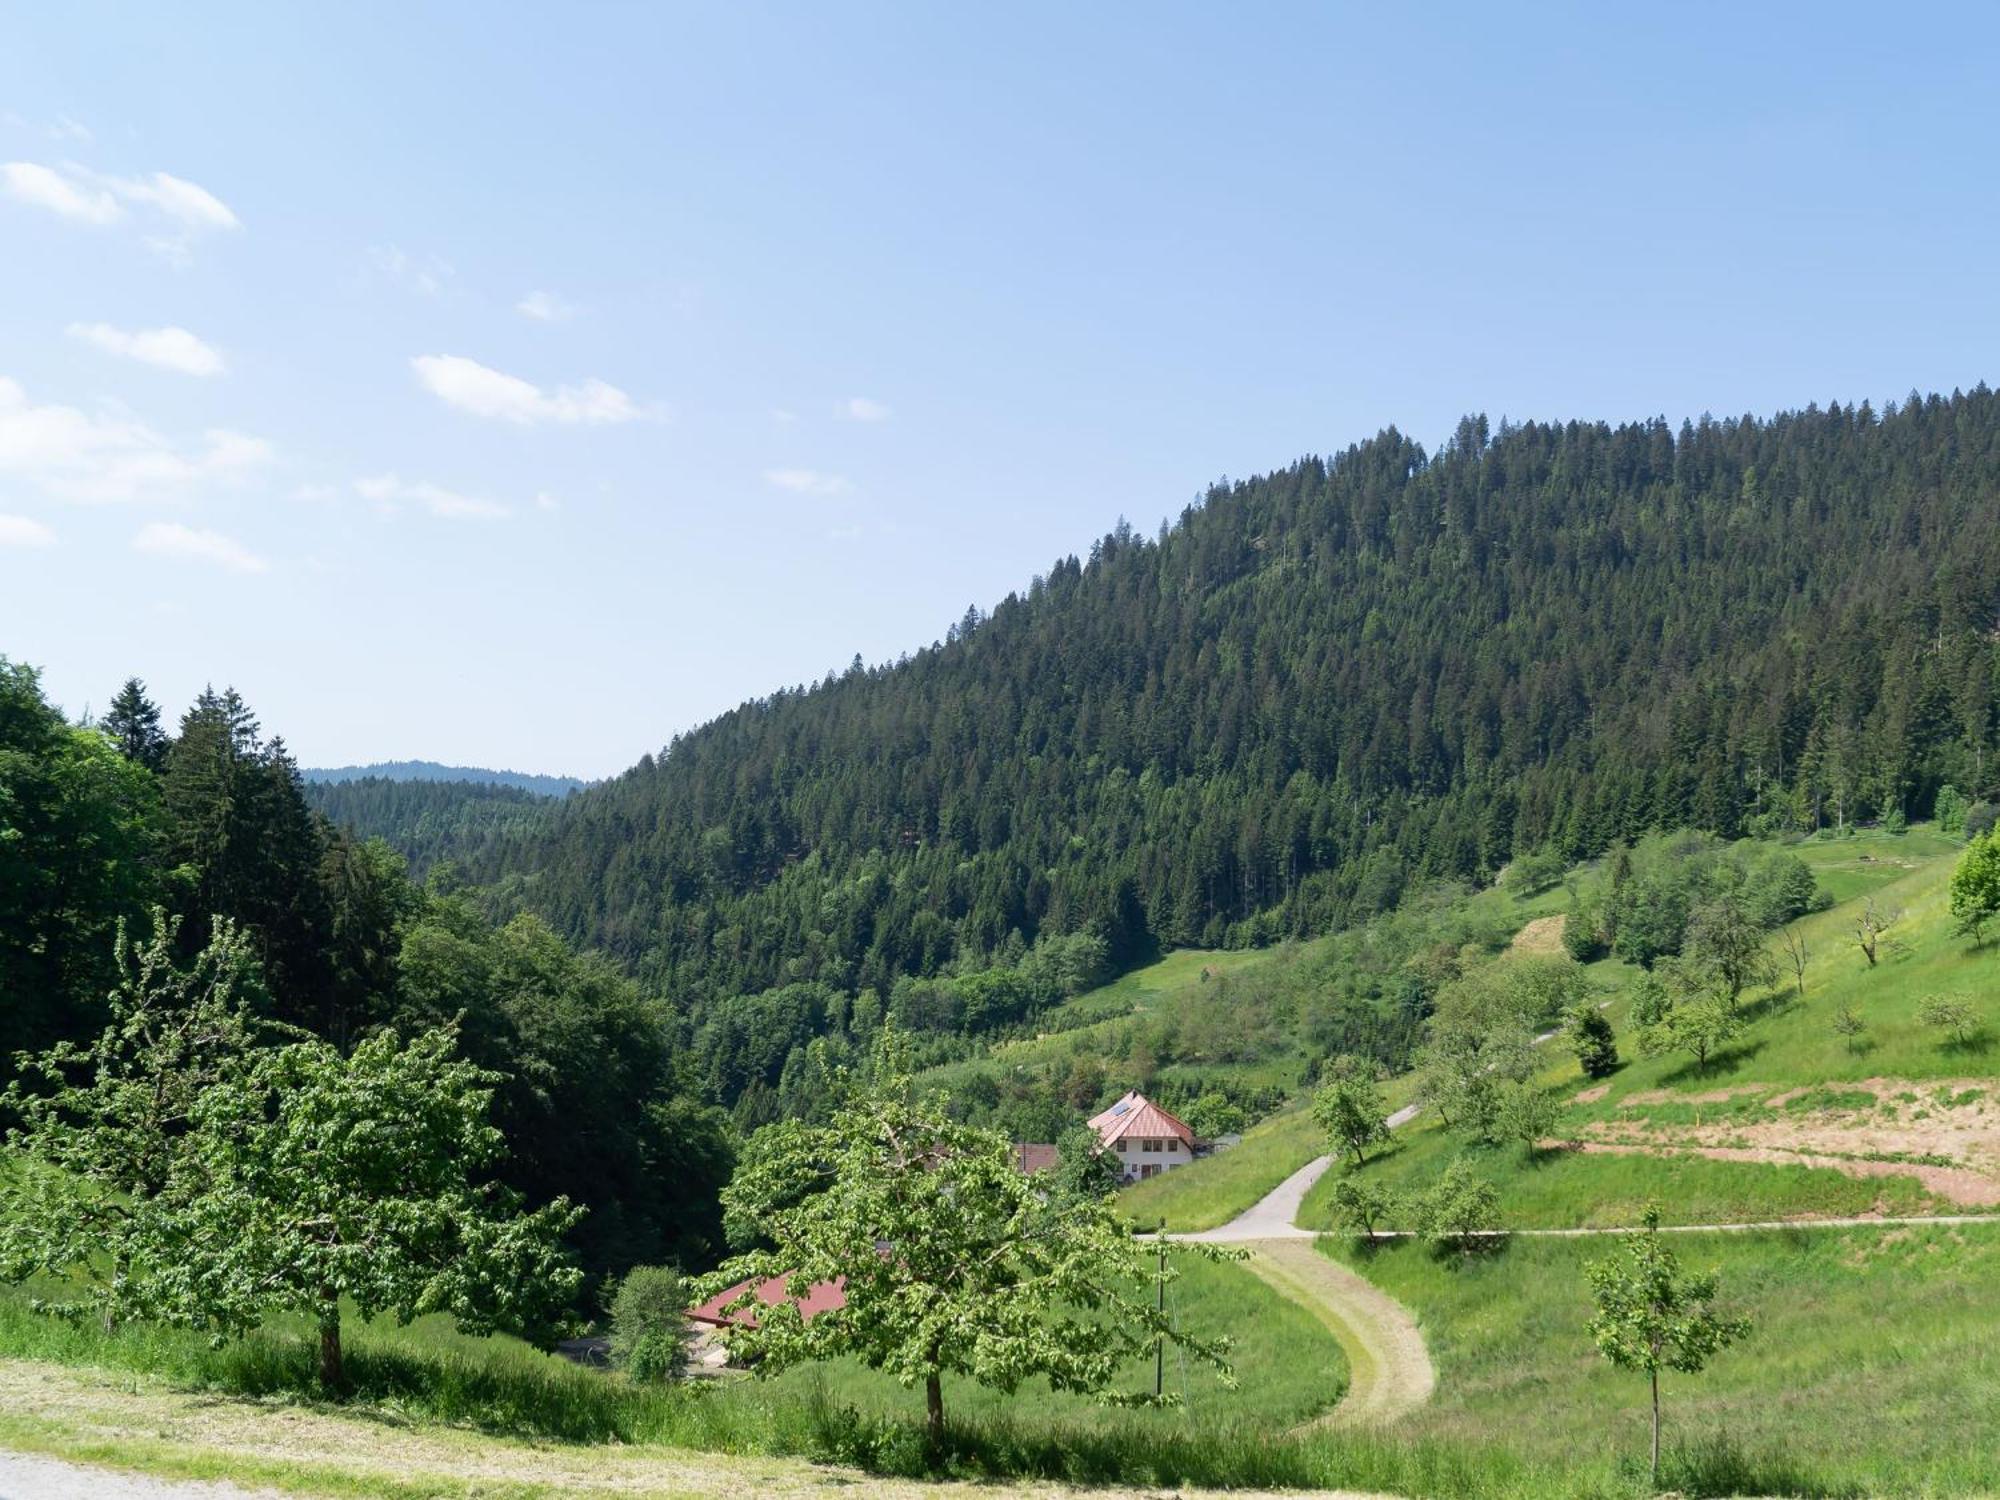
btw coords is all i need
(430, 770)
(1323, 688)
(429, 821)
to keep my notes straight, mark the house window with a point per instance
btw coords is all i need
(1152, 1145)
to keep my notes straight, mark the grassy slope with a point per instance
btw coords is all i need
(1789, 1045)
(1215, 1189)
(1873, 1366)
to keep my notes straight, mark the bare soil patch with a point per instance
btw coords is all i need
(1905, 1129)
(1971, 1189)
(1592, 1094)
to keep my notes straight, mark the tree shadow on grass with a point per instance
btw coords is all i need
(1720, 1065)
(1975, 1043)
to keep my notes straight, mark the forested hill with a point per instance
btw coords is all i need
(429, 820)
(1323, 685)
(430, 770)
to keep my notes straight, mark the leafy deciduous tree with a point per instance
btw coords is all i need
(1975, 886)
(1652, 1316)
(1349, 1109)
(952, 1261)
(317, 1179)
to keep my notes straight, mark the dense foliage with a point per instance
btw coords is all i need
(1324, 687)
(203, 847)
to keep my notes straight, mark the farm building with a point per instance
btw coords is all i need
(1145, 1138)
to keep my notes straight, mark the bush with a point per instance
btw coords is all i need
(649, 1325)
(1458, 1210)
(1981, 818)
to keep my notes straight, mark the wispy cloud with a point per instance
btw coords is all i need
(391, 490)
(20, 531)
(486, 392)
(171, 539)
(545, 307)
(44, 187)
(427, 275)
(168, 348)
(96, 456)
(863, 409)
(66, 129)
(189, 204)
(74, 192)
(807, 481)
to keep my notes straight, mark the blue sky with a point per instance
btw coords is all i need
(522, 385)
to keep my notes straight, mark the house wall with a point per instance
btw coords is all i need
(1148, 1156)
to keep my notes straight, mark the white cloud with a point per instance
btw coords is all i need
(546, 501)
(390, 490)
(169, 348)
(78, 193)
(19, 531)
(425, 275)
(66, 129)
(545, 307)
(78, 455)
(187, 203)
(862, 409)
(317, 494)
(171, 539)
(485, 392)
(45, 187)
(807, 481)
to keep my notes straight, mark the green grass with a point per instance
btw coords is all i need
(1214, 1189)
(1873, 1367)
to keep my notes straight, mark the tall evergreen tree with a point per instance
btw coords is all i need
(133, 723)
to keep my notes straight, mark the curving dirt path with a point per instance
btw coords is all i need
(1389, 1371)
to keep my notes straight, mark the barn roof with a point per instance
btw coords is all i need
(821, 1296)
(1139, 1117)
(1034, 1156)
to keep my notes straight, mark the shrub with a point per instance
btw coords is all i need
(1981, 818)
(649, 1324)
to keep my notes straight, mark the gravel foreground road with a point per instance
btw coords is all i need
(26, 1478)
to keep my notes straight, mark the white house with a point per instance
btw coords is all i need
(1143, 1138)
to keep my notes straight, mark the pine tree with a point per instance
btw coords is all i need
(133, 723)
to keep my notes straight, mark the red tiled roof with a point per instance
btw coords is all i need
(1032, 1157)
(821, 1296)
(1139, 1117)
